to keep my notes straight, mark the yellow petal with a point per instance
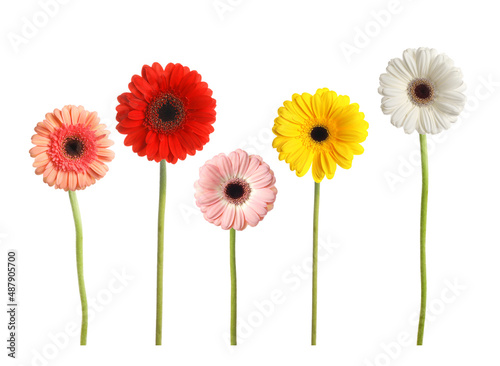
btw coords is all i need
(318, 106)
(279, 141)
(356, 149)
(339, 153)
(290, 116)
(351, 135)
(291, 145)
(317, 169)
(286, 129)
(292, 107)
(304, 163)
(328, 164)
(304, 103)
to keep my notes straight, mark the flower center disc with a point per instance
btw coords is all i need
(165, 114)
(319, 134)
(236, 191)
(421, 92)
(73, 148)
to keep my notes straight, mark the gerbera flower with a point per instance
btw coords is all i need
(167, 114)
(71, 151)
(233, 192)
(423, 91)
(323, 129)
(236, 190)
(71, 148)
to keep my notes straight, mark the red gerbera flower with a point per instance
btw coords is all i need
(168, 114)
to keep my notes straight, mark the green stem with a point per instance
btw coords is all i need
(315, 264)
(79, 265)
(232, 262)
(161, 235)
(423, 228)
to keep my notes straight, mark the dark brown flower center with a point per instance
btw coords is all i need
(319, 133)
(73, 147)
(236, 191)
(421, 92)
(166, 113)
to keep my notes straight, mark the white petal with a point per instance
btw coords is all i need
(390, 104)
(438, 69)
(423, 62)
(450, 80)
(425, 121)
(409, 59)
(453, 97)
(392, 92)
(398, 69)
(411, 119)
(447, 107)
(390, 81)
(441, 119)
(399, 115)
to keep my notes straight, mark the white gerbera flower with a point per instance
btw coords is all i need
(423, 91)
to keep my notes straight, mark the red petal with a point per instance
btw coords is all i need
(150, 75)
(201, 128)
(137, 115)
(151, 137)
(131, 122)
(152, 149)
(123, 108)
(164, 150)
(124, 98)
(197, 143)
(143, 87)
(189, 82)
(138, 136)
(176, 76)
(135, 91)
(136, 103)
(201, 101)
(175, 146)
(203, 118)
(168, 73)
(162, 80)
(120, 116)
(186, 142)
(200, 89)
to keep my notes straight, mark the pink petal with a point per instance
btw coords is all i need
(253, 165)
(208, 197)
(261, 176)
(239, 160)
(239, 219)
(251, 217)
(214, 211)
(225, 168)
(228, 217)
(265, 195)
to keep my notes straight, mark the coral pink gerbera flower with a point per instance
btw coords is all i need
(236, 190)
(71, 148)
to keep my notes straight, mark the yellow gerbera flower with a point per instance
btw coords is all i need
(323, 129)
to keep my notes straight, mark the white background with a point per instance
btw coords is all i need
(254, 55)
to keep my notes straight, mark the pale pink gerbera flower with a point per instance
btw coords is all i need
(71, 148)
(236, 190)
